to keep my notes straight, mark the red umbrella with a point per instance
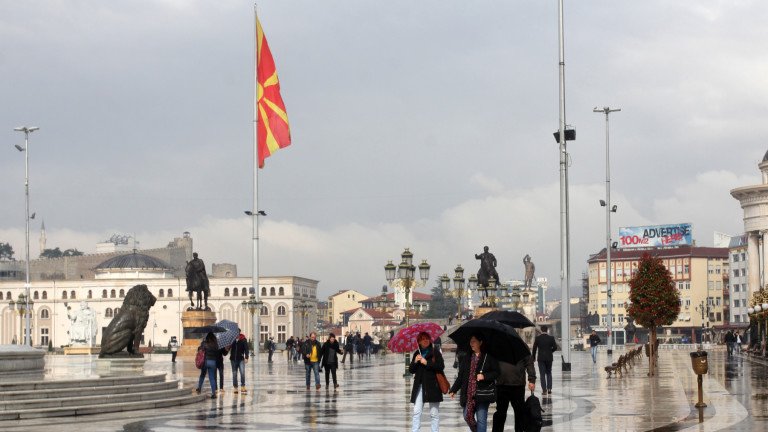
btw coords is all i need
(405, 339)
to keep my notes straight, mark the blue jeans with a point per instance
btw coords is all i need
(481, 415)
(434, 413)
(313, 367)
(240, 366)
(594, 354)
(545, 372)
(210, 368)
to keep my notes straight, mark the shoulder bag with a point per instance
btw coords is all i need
(485, 392)
(442, 382)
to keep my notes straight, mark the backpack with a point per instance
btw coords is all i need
(200, 358)
(532, 420)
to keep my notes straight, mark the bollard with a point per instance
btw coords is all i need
(700, 367)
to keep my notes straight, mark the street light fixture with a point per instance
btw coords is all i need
(406, 273)
(24, 306)
(27, 130)
(458, 288)
(608, 210)
(252, 305)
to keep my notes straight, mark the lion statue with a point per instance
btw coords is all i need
(127, 327)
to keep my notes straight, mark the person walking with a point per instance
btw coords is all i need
(368, 344)
(220, 367)
(299, 346)
(477, 372)
(347, 348)
(359, 346)
(426, 363)
(238, 358)
(329, 359)
(289, 348)
(174, 345)
(211, 348)
(545, 345)
(730, 340)
(594, 341)
(510, 389)
(270, 348)
(738, 343)
(311, 353)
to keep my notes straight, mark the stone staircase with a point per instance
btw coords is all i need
(59, 398)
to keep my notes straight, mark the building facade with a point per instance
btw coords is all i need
(342, 301)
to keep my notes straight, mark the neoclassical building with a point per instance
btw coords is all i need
(289, 302)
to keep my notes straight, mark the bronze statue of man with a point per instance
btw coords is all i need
(487, 268)
(530, 270)
(197, 281)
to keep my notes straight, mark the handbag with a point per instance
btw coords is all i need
(442, 382)
(485, 392)
(200, 358)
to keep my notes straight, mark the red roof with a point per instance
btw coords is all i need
(678, 252)
(374, 313)
(391, 297)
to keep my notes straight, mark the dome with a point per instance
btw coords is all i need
(765, 158)
(133, 261)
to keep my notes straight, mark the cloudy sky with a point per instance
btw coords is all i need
(415, 124)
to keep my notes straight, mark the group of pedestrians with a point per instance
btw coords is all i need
(214, 363)
(733, 342)
(481, 381)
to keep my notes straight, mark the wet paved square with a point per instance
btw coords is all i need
(375, 397)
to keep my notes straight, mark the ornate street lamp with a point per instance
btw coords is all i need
(24, 307)
(252, 305)
(406, 273)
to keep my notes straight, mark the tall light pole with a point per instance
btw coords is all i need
(27, 130)
(608, 210)
(253, 306)
(406, 274)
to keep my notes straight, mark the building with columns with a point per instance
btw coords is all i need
(754, 203)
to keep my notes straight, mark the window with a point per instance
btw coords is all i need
(116, 311)
(281, 333)
(264, 311)
(281, 291)
(90, 294)
(36, 296)
(72, 294)
(112, 294)
(45, 295)
(170, 292)
(235, 292)
(735, 257)
(226, 292)
(63, 295)
(743, 272)
(264, 291)
(44, 314)
(8, 295)
(272, 291)
(743, 256)
(108, 313)
(281, 311)
(44, 340)
(264, 333)
(122, 293)
(735, 287)
(104, 294)
(736, 303)
(1, 295)
(161, 293)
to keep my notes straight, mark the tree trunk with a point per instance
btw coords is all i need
(652, 352)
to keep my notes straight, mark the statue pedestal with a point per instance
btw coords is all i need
(482, 310)
(190, 320)
(21, 360)
(81, 350)
(118, 364)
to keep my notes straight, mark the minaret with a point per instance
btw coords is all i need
(42, 237)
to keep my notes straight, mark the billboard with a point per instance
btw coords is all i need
(655, 236)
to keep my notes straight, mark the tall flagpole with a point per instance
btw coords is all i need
(255, 211)
(565, 304)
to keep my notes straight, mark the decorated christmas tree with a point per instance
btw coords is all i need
(655, 300)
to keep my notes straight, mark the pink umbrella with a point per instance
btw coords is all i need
(405, 339)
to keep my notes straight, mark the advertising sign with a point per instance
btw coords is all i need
(655, 236)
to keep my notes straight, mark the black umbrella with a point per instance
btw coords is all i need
(510, 318)
(501, 341)
(209, 329)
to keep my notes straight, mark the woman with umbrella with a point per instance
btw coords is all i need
(211, 348)
(425, 364)
(477, 374)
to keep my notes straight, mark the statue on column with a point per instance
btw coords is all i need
(530, 270)
(83, 329)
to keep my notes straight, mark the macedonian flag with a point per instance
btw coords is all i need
(272, 130)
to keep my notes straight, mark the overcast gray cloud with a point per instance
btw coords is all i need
(420, 124)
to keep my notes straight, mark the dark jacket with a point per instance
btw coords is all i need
(328, 354)
(514, 374)
(211, 350)
(306, 349)
(594, 340)
(424, 376)
(239, 349)
(490, 368)
(545, 345)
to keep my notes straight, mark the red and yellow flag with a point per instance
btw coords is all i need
(272, 130)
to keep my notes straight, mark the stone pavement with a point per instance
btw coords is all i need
(374, 397)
